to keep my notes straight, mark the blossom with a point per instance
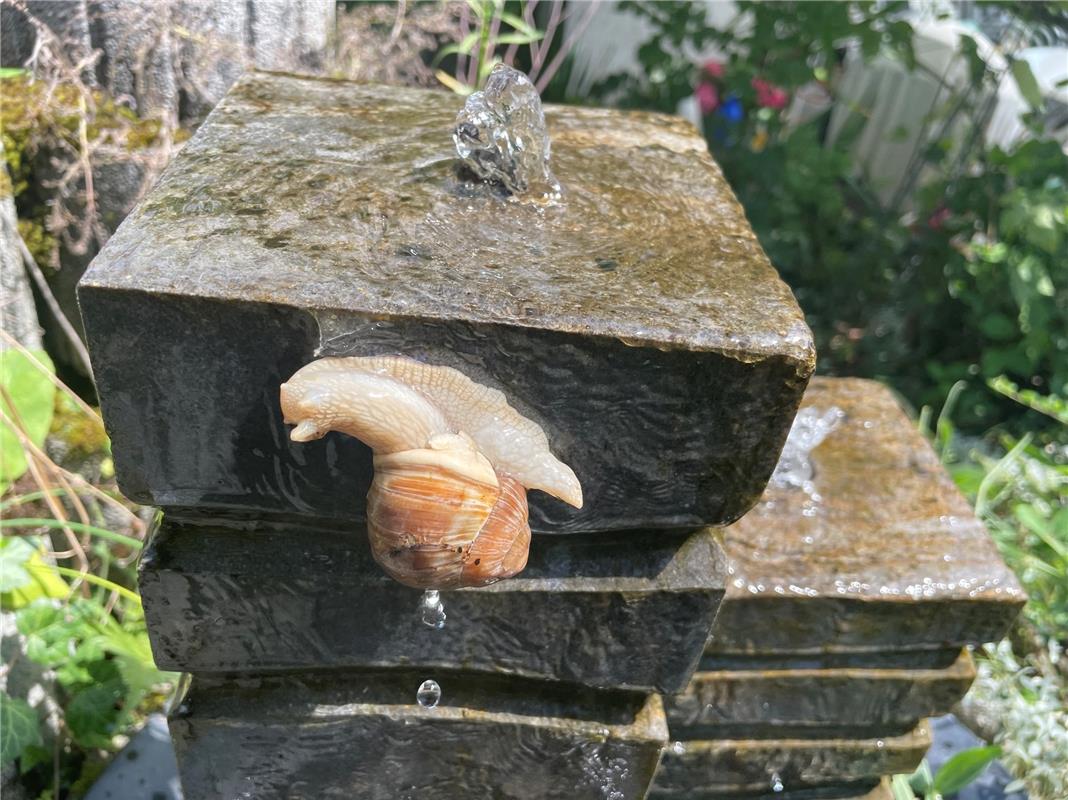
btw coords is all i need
(938, 218)
(769, 95)
(707, 97)
(713, 68)
(731, 109)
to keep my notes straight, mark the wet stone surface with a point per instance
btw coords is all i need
(363, 735)
(637, 320)
(882, 555)
(813, 702)
(830, 767)
(589, 609)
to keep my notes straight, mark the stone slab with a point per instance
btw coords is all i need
(362, 735)
(890, 558)
(859, 701)
(639, 321)
(587, 609)
(751, 767)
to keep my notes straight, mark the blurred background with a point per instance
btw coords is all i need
(903, 163)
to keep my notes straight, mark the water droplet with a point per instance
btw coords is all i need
(776, 783)
(428, 694)
(432, 609)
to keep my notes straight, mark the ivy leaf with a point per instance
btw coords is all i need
(33, 396)
(19, 727)
(92, 713)
(964, 768)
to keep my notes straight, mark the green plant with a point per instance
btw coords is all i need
(508, 32)
(480, 45)
(1019, 488)
(67, 580)
(958, 772)
(959, 279)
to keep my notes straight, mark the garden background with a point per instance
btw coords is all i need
(930, 253)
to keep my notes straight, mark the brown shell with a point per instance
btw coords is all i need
(432, 528)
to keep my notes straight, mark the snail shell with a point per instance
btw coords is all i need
(447, 507)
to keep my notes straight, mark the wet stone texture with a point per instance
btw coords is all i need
(637, 320)
(737, 768)
(885, 556)
(587, 609)
(362, 735)
(852, 591)
(859, 702)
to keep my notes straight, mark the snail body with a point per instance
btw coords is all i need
(447, 507)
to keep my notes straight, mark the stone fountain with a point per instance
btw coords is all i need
(622, 305)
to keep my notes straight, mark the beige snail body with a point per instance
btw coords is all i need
(447, 506)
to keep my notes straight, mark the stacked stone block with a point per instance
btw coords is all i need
(638, 322)
(847, 613)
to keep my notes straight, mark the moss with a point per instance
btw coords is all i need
(83, 435)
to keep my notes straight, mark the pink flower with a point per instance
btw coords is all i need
(769, 95)
(707, 98)
(938, 218)
(713, 68)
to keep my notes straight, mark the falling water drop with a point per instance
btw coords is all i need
(428, 694)
(776, 783)
(432, 609)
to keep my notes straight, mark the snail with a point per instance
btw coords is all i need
(447, 507)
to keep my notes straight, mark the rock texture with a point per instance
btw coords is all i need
(638, 320)
(630, 610)
(800, 767)
(859, 702)
(362, 735)
(889, 558)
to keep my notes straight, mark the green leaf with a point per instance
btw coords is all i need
(1025, 81)
(37, 617)
(518, 38)
(33, 395)
(92, 713)
(19, 727)
(900, 789)
(15, 553)
(964, 768)
(921, 780)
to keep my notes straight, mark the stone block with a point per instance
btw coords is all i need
(588, 609)
(889, 558)
(638, 321)
(737, 768)
(840, 701)
(363, 735)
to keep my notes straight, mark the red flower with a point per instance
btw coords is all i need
(938, 218)
(713, 68)
(769, 95)
(707, 98)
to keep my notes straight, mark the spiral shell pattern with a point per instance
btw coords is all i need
(448, 506)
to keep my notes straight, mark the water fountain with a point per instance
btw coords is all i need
(620, 304)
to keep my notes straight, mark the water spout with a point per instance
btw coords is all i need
(501, 137)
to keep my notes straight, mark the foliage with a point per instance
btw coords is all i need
(1024, 699)
(496, 31)
(960, 280)
(1020, 490)
(958, 772)
(66, 575)
(26, 396)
